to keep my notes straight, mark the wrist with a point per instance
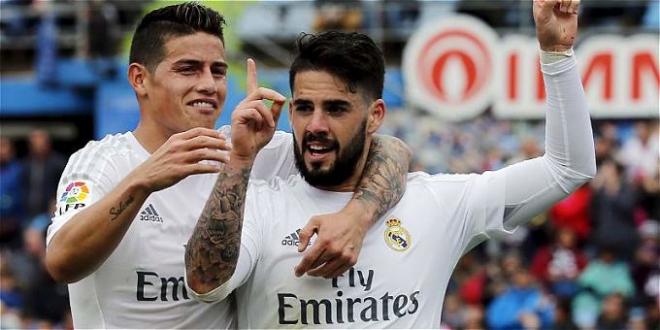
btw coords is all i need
(362, 211)
(238, 161)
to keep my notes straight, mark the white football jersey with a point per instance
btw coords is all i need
(403, 269)
(141, 284)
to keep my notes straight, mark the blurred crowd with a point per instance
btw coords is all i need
(591, 262)
(29, 298)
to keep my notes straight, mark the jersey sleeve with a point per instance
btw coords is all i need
(88, 176)
(250, 252)
(276, 159)
(483, 209)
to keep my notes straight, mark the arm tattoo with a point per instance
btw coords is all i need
(384, 179)
(115, 211)
(212, 251)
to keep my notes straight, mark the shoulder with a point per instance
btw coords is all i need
(96, 154)
(423, 178)
(110, 145)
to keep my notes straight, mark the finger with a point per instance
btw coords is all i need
(306, 233)
(198, 131)
(246, 115)
(263, 110)
(270, 94)
(207, 142)
(252, 83)
(207, 154)
(309, 259)
(328, 269)
(546, 5)
(575, 5)
(276, 110)
(200, 168)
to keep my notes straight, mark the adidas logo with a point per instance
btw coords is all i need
(150, 214)
(292, 239)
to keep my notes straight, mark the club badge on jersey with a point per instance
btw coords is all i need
(76, 195)
(397, 237)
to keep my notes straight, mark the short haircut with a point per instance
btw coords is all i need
(158, 26)
(352, 57)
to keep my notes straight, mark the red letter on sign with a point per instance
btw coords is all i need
(601, 62)
(643, 62)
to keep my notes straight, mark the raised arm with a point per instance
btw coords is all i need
(84, 241)
(340, 234)
(213, 248)
(569, 161)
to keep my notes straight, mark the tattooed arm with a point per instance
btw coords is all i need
(212, 251)
(339, 238)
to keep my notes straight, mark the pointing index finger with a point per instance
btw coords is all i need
(252, 85)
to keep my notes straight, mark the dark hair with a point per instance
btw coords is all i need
(352, 57)
(155, 29)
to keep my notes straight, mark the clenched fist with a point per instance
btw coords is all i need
(556, 24)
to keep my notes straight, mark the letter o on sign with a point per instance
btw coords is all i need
(448, 66)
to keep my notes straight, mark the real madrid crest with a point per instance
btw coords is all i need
(397, 237)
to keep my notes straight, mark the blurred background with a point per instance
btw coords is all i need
(590, 262)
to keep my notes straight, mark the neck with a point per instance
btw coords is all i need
(151, 136)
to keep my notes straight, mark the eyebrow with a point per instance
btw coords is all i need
(329, 103)
(192, 62)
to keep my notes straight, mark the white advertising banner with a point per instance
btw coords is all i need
(459, 66)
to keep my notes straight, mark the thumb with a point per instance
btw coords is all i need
(306, 233)
(276, 109)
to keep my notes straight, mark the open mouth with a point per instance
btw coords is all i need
(204, 105)
(319, 151)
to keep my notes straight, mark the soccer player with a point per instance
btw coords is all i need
(127, 204)
(407, 259)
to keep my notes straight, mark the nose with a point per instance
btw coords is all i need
(206, 83)
(318, 123)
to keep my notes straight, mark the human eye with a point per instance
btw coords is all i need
(219, 72)
(303, 108)
(336, 109)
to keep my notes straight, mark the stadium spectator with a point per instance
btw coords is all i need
(11, 195)
(522, 305)
(612, 210)
(613, 315)
(573, 213)
(602, 277)
(639, 155)
(645, 268)
(559, 264)
(43, 167)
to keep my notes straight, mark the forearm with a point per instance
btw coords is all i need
(212, 250)
(88, 239)
(384, 179)
(569, 144)
(533, 186)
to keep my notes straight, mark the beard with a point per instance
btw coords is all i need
(344, 165)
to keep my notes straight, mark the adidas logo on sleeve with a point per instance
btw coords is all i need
(150, 214)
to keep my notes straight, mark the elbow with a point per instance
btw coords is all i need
(59, 269)
(571, 176)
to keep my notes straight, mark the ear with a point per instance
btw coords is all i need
(376, 115)
(290, 112)
(137, 77)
